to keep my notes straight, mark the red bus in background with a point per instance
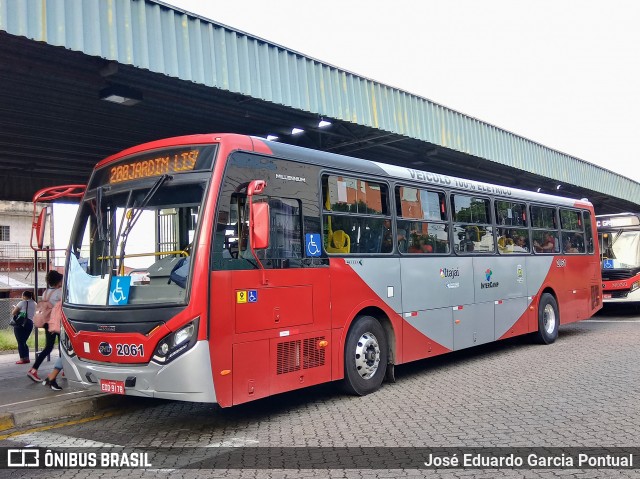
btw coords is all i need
(619, 240)
(226, 268)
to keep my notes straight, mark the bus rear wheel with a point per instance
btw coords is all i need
(548, 319)
(365, 356)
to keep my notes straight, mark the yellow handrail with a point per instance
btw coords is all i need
(138, 255)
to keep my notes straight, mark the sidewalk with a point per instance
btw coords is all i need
(26, 403)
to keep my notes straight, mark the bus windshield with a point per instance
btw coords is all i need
(622, 247)
(132, 245)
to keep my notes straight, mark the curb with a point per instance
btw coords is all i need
(6, 422)
(73, 408)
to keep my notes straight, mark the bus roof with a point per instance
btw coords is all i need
(359, 165)
(231, 142)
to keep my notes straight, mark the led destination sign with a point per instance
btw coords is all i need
(617, 221)
(155, 163)
(165, 163)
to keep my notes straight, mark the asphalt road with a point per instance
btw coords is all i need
(581, 392)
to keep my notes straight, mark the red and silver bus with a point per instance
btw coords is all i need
(619, 240)
(225, 268)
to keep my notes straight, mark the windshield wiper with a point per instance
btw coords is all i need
(134, 214)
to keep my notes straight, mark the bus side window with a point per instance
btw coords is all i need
(473, 231)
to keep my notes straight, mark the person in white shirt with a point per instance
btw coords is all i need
(22, 330)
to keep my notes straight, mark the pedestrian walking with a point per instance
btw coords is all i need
(50, 298)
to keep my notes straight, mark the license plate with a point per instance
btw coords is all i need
(111, 386)
(607, 296)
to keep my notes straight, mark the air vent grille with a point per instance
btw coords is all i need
(288, 357)
(296, 355)
(313, 354)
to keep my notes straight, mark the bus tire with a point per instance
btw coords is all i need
(548, 319)
(365, 356)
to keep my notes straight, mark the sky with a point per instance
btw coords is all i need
(562, 73)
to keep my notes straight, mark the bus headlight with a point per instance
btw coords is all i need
(183, 335)
(635, 286)
(66, 342)
(176, 343)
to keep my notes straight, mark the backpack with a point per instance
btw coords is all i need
(43, 310)
(180, 271)
(55, 318)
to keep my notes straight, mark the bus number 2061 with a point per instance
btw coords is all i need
(129, 350)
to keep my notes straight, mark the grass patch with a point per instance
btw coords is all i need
(8, 340)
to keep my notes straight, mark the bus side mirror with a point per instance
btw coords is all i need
(260, 225)
(258, 217)
(38, 228)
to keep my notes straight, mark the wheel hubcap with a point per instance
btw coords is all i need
(549, 318)
(367, 355)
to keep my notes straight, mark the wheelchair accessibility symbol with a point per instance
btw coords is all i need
(119, 290)
(312, 244)
(252, 296)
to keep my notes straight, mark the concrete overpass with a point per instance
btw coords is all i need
(60, 60)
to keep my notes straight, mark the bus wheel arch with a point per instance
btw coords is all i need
(548, 317)
(367, 351)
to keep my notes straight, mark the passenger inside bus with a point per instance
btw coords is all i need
(569, 247)
(420, 243)
(505, 244)
(387, 238)
(402, 241)
(520, 245)
(470, 237)
(548, 244)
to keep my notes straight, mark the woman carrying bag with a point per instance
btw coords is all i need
(51, 296)
(22, 323)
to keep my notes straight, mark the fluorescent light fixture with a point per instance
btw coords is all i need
(324, 124)
(272, 137)
(296, 131)
(121, 95)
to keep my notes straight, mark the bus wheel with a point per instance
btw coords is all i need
(365, 356)
(548, 319)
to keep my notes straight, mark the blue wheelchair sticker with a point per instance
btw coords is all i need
(119, 290)
(252, 296)
(607, 264)
(312, 244)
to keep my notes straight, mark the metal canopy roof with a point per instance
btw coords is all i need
(197, 76)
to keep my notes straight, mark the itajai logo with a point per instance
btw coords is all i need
(449, 273)
(489, 283)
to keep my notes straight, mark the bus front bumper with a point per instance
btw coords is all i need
(621, 296)
(186, 378)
